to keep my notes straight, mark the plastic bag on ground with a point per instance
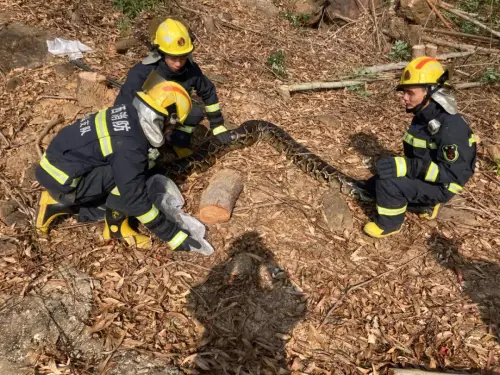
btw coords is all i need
(167, 197)
(72, 48)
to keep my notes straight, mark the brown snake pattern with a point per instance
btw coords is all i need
(255, 130)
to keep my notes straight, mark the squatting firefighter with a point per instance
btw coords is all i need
(172, 59)
(439, 152)
(106, 158)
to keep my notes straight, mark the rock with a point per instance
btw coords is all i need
(12, 83)
(29, 175)
(133, 363)
(336, 212)
(209, 23)
(123, 45)
(17, 218)
(65, 69)
(7, 208)
(53, 317)
(398, 28)
(217, 78)
(22, 46)
(329, 120)
(417, 11)
(227, 16)
(239, 268)
(263, 6)
(351, 9)
(309, 8)
(457, 216)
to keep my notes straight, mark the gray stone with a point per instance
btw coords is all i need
(133, 363)
(22, 46)
(336, 212)
(12, 83)
(263, 6)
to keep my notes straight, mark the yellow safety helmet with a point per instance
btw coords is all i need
(172, 38)
(161, 95)
(423, 71)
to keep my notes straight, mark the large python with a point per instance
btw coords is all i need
(254, 130)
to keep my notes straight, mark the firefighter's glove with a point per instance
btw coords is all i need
(222, 134)
(182, 241)
(391, 167)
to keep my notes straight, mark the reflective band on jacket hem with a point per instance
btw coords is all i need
(400, 166)
(102, 133)
(177, 240)
(115, 191)
(185, 129)
(472, 140)
(149, 216)
(219, 129)
(56, 173)
(391, 211)
(213, 107)
(432, 172)
(415, 142)
(455, 188)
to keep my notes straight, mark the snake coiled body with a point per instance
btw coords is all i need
(255, 130)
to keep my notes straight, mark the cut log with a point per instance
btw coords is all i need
(92, 91)
(431, 50)
(123, 45)
(417, 51)
(218, 199)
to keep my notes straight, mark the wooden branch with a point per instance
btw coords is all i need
(44, 132)
(465, 47)
(463, 35)
(470, 19)
(468, 85)
(321, 85)
(372, 3)
(218, 199)
(438, 13)
(408, 371)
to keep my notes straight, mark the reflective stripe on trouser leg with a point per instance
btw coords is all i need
(391, 202)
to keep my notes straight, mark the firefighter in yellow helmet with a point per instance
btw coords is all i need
(171, 58)
(439, 152)
(97, 167)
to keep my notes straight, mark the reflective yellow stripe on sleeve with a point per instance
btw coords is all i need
(472, 140)
(400, 166)
(56, 173)
(432, 146)
(415, 142)
(219, 129)
(432, 172)
(455, 188)
(115, 191)
(149, 216)
(185, 129)
(177, 240)
(103, 134)
(212, 108)
(391, 211)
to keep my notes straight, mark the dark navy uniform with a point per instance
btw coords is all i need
(191, 78)
(440, 156)
(104, 156)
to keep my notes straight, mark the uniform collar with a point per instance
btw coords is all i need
(428, 113)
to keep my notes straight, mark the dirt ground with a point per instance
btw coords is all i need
(304, 300)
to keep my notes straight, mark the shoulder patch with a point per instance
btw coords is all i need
(450, 153)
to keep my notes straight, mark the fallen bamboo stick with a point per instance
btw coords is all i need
(468, 85)
(438, 13)
(408, 371)
(44, 132)
(466, 47)
(457, 13)
(463, 35)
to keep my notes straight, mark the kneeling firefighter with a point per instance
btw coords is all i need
(171, 58)
(106, 158)
(439, 152)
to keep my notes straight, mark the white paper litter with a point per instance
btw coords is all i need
(63, 47)
(166, 196)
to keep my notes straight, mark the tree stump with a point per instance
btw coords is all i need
(417, 51)
(431, 50)
(92, 91)
(218, 199)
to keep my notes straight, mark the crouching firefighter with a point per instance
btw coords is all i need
(171, 57)
(106, 158)
(439, 152)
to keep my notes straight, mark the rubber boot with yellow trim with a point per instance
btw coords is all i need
(430, 212)
(117, 226)
(373, 230)
(182, 152)
(48, 210)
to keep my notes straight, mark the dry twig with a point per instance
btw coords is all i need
(438, 13)
(468, 18)
(44, 132)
